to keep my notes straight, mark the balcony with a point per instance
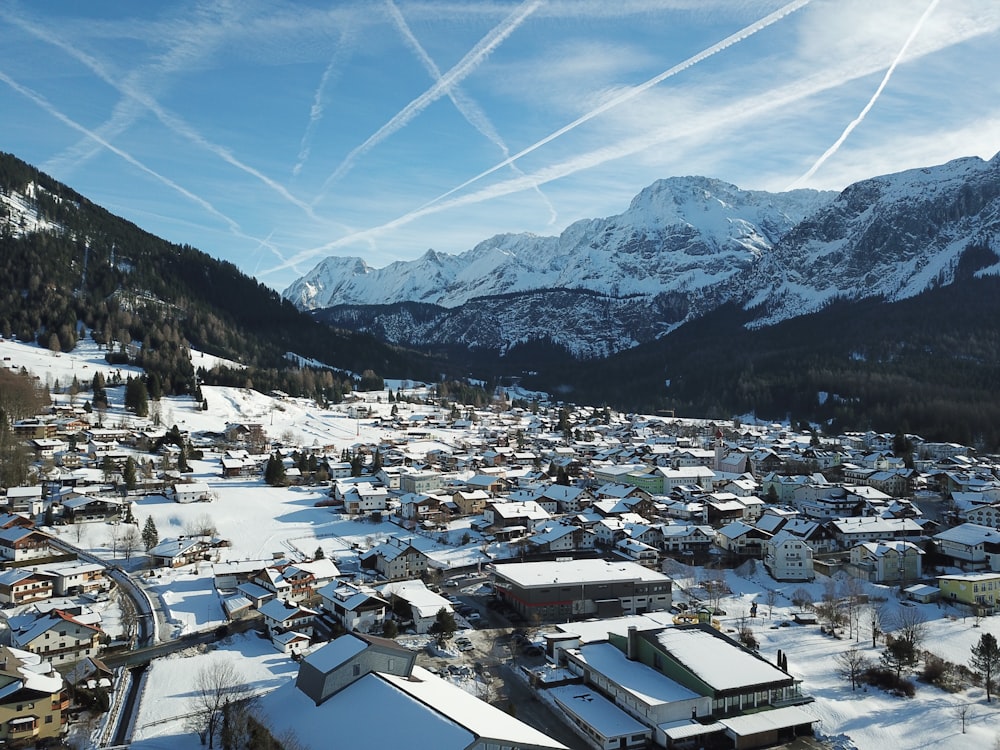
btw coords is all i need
(25, 726)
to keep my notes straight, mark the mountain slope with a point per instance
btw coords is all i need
(70, 266)
(685, 247)
(890, 237)
(684, 234)
(928, 364)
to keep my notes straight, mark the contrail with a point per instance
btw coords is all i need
(728, 116)
(48, 107)
(191, 43)
(463, 68)
(871, 102)
(625, 96)
(316, 111)
(234, 227)
(172, 122)
(467, 107)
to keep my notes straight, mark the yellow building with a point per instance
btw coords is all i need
(975, 589)
(32, 701)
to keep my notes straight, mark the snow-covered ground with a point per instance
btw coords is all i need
(873, 719)
(261, 521)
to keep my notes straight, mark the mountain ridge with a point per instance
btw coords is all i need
(696, 218)
(927, 363)
(684, 247)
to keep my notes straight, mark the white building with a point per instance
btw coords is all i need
(788, 558)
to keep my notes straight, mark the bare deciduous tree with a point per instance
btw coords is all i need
(130, 541)
(851, 665)
(128, 615)
(852, 594)
(203, 525)
(113, 539)
(910, 626)
(240, 722)
(217, 685)
(962, 714)
(715, 588)
(874, 617)
(770, 598)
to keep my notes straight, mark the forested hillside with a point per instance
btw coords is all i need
(929, 365)
(70, 266)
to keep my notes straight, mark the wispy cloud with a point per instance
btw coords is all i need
(233, 226)
(635, 91)
(468, 108)
(173, 122)
(50, 109)
(695, 130)
(871, 102)
(461, 70)
(343, 49)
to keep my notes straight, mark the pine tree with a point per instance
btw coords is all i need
(443, 627)
(986, 661)
(137, 396)
(100, 395)
(274, 471)
(150, 536)
(129, 473)
(357, 464)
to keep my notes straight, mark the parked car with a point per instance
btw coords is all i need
(473, 617)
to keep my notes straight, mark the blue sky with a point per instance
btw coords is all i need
(273, 134)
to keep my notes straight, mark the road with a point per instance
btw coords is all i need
(148, 620)
(508, 691)
(142, 656)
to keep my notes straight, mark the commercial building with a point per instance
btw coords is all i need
(570, 589)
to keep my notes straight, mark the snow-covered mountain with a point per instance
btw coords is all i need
(684, 247)
(891, 237)
(681, 234)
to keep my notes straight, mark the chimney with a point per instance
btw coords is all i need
(632, 645)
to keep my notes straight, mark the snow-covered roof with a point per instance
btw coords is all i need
(338, 722)
(596, 711)
(645, 683)
(591, 631)
(478, 717)
(530, 574)
(322, 567)
(279, 611)
(969, 534)
(768, 721)
(420, 598)
(335, 653)
(716, 661)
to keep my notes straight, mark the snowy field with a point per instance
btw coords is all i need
(261, 522)
(867, 720)
(872, 719)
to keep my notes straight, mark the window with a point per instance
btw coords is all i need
(356, 668)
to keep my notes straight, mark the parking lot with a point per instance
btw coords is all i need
(487, 654)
